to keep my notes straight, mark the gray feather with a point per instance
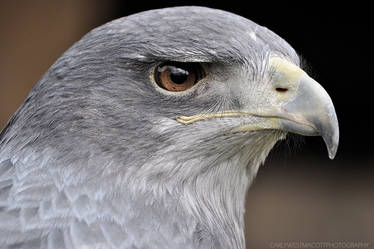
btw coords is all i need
(95, 159)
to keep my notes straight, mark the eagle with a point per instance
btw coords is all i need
(149, 130)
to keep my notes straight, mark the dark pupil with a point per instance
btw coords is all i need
(178, 77)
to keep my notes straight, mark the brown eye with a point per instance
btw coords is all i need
(178, 76)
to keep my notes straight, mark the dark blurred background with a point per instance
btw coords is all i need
(299, 195)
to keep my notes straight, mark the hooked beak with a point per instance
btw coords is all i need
(314, 105)
(310, 111)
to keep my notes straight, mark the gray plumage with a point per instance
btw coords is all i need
(95, 158)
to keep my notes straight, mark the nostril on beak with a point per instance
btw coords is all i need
(281, 89)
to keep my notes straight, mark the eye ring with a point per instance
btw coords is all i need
(178, 76)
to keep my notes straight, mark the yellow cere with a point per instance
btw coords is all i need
(290, 72)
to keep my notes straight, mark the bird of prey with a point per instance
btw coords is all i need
(148, 131)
